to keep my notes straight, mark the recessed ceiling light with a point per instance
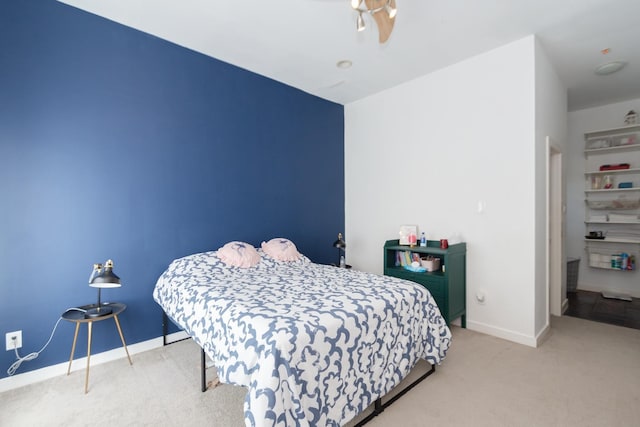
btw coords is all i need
(609, 68)
(344, 64)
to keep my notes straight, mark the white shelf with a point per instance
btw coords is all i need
(614, 172)
(609, 268)
(616, 149)
(613, 222)
(622, 130)
(625, 241)
(611, 190)
(613, 205)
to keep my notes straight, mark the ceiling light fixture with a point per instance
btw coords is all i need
(382, 11)
(392, 11)
(609, 68)
(361, 26)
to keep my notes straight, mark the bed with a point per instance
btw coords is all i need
(314, 344)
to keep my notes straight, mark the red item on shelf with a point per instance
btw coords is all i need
(615, 167)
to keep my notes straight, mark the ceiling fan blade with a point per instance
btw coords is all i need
(385, 24)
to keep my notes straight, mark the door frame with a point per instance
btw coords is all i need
(556, 288)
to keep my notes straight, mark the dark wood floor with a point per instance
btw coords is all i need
(593, 306)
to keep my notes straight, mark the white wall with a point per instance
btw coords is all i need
(580, 122)
(551, 121)
(426, 152)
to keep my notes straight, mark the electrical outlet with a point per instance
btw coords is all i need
(13, 340)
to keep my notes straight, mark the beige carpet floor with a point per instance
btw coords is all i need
(585, 374)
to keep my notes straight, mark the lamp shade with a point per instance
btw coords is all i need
(104, 278)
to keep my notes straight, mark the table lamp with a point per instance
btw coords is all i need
(102, 278)
(340, 244)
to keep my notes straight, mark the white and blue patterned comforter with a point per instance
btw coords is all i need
(314, 344)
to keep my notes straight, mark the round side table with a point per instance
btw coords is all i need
(78, 317)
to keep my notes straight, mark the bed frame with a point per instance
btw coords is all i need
(378, 406)
(203, 356)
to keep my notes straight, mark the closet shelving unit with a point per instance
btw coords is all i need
(613, 211)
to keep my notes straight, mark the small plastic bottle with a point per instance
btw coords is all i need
(423, 240)
(343, 264)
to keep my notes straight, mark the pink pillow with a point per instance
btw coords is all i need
(281, 249)
(239, 254)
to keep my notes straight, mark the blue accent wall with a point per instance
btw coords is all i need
(117, 144)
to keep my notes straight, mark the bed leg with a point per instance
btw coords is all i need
(379, 407)
(165, 327)
(203, 373)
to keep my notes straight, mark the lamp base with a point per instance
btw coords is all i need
(98, 312)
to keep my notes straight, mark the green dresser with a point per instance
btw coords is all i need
(447, 285)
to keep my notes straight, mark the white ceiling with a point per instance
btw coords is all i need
(299, 42)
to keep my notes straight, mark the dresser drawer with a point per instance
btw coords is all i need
(437, 287)
(435, 284)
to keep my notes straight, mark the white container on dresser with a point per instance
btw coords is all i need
(612, 197)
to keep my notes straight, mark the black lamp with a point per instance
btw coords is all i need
(102, 278)
(340, 244)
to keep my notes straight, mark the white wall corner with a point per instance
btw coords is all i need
(462, 135)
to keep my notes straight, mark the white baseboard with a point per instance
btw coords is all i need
(35, 376)
(177, 336)
(506, 334)
(543, 335)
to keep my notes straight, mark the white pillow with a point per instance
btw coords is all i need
(281, 249)
(239, 254)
